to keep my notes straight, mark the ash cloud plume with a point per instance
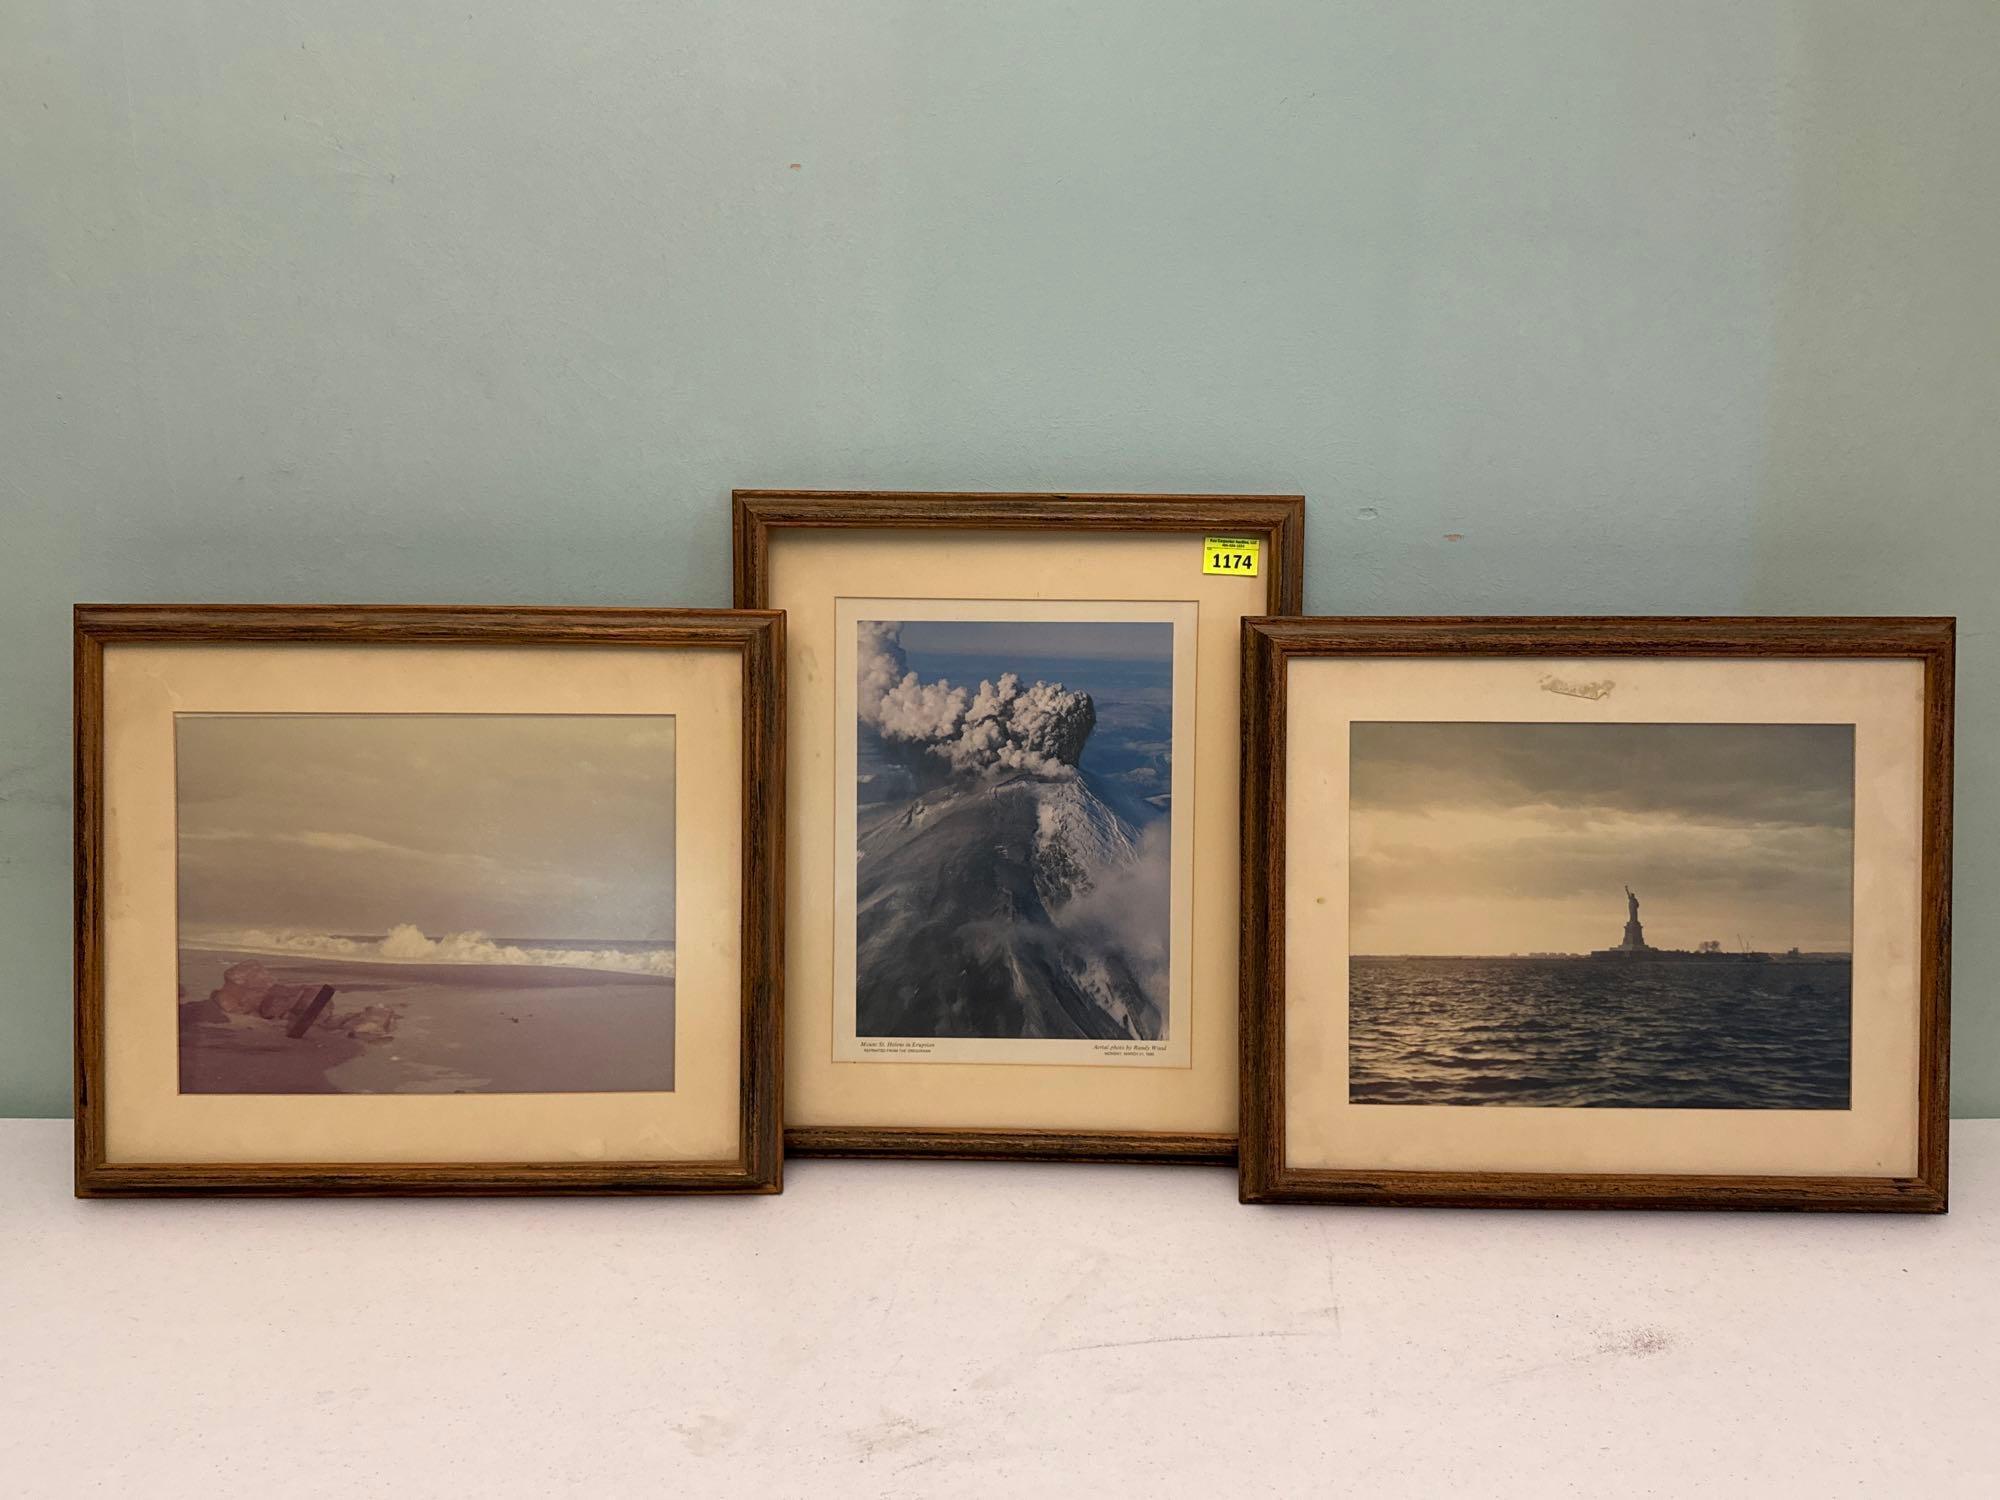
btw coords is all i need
(1001, 726)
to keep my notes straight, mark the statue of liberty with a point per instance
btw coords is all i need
(1635, 934)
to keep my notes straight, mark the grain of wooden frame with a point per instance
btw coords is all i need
(1278, 521)
(758, 636)
(1270, 645)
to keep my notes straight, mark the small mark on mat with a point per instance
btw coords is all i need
(1594, 691)
(706, 1433)
(892, 1432)
(1639, 1342)
(1636, 1343)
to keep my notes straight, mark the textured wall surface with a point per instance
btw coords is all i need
(1546, 307)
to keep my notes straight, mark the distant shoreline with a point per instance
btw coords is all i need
(1656, 955)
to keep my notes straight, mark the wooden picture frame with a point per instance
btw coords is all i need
(1597, 655)
(765, 521)
(745, 701)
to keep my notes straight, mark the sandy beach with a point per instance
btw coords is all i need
(459, 1028)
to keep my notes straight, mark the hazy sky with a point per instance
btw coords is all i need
(1504, 838)
(994, 641)
(515, 826)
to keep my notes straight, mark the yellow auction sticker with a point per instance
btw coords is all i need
(1230, 554)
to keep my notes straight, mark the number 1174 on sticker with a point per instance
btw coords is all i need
(1230, 554)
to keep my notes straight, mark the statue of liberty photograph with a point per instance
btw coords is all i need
(1486, 863)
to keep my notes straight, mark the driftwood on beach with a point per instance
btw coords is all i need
(309, 1012)
(249, 989)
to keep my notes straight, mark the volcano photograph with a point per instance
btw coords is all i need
(1014, 830)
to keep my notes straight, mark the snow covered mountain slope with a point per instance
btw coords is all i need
(964, 895)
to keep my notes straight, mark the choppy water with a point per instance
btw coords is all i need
(1723, 1035)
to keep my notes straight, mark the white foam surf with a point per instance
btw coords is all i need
(406, 944)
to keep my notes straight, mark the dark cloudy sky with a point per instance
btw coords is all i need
(515, 826)
(1505, 838)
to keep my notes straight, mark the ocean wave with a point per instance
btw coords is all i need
(406, 944)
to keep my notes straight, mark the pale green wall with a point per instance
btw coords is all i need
(1660, 307)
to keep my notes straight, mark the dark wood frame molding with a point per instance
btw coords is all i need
(1278, 519)
(1268, 648)
(759, 637)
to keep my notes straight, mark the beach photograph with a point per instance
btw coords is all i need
(419, 903)
(1013, 852)
(1648, 916)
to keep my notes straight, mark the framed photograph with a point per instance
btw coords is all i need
(1013, 770)
(1647, 913)
(427, 900)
